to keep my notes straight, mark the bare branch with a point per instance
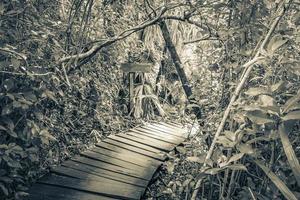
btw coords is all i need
(110, 41)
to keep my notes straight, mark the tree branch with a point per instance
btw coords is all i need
(110, 41)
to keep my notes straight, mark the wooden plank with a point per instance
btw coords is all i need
(156, 135)
(167, 128)
(108, 187)
(143, 172)
(136, 67)
(172, 124)
(140, 161)
(161, 132)
(103, 172)
(159, 156)
(41, 191)
(150, 137)
(107, 166)
(115, 161)
(149, 142)
(83, 174)
(174, 132)
(121, 150)
(135, 144)
(180, 133)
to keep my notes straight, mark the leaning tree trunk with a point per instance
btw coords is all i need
(179, 68)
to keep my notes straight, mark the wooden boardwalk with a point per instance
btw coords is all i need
(120, 167)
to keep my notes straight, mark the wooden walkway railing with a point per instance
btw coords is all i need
(119, 167)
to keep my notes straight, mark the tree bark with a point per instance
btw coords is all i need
(179, 68)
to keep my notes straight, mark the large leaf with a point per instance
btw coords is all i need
(294, 115)
(214, 171)
(235, 157)
(289, 152)
(275, 43)
(258, 117)
(277, 182)
(266, 100)
(246, 149)
(225, 141)
(278, 87)
(257, 91)
(291, 102)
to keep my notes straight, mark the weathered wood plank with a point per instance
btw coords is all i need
(113, 174)
(121, 150)
(83, 174)
(142, 171)
(161, 132)
(155, 135)
(149, 142)
(108, 187)
(108, 166)
(135, 144)
(117, 162)
(170, 131)
(149, 138)
(127, 156)
(41, 191)
(174, 131)
(121, 145)
(172, 126)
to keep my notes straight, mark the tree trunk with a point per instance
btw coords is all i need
(179, 68)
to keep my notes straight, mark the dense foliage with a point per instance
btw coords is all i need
(61, 89)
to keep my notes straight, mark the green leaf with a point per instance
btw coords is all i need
(236, 157)
(2, 128)
(258, 117)
(275, 43)
(236, 167)
(230, 135)
(214, 171)
(4, 189)
(266, 100)
(246, 149)
(291, 102)
(278, 87)
(294, 115)
(225, 141)
(12, 133)
(277, 182)
(256, 91)
(30, 96)
(289, 152)
(12, 162)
